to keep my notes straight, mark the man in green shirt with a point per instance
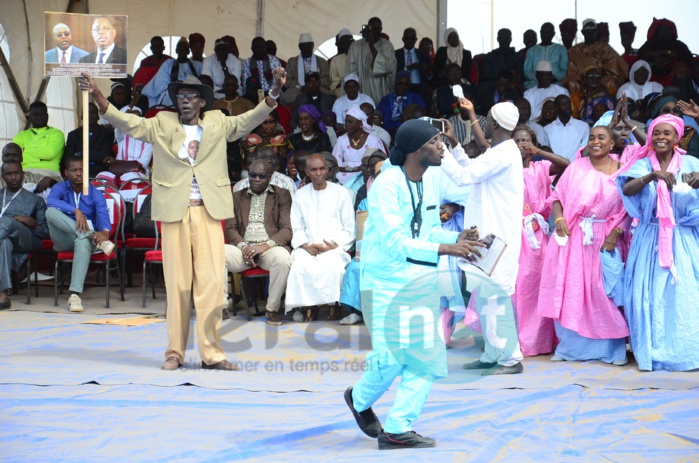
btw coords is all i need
(42, 145)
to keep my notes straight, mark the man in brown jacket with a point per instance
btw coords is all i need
(260, 233)
(191, 196)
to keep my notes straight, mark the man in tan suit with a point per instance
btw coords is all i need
(260, 233)
(191, 196)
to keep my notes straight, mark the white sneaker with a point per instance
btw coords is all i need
(74, 303)
(351, 319)
(298, 316)
(106, 247)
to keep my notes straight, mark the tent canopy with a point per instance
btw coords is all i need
(22, 37)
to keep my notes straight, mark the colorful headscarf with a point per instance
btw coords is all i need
(313, 112)
(358, 114)
(653, 29)
(664, 212)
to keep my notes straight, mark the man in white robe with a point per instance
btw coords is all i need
(544, 89)
(322, 218)
(373, 59)
(494, 206)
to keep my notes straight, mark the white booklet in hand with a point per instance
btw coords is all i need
(490, 255)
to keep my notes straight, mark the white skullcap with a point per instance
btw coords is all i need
(343, 32)
(349, 77)
(544, 66)
(506, 115)
(305, 38)
(591, 22)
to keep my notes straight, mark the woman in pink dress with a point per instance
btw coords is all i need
(350, 147)
(536, 333)
(590, 216)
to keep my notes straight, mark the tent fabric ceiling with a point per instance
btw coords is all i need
(282, 21)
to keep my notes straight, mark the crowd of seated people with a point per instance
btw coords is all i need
(616, 132)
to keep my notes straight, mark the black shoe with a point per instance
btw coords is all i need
(503, 370)
(367, 420)
(406, 440)
(478, 365)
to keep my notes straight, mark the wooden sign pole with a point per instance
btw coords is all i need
(86, 142)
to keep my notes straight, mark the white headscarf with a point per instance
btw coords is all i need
(357, 113)
(635, 90)
(454, 54)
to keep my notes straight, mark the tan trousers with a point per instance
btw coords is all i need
(277, 261)
(193, 261)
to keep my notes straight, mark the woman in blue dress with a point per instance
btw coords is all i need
(661, 283)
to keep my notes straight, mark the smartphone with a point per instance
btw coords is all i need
(438, 124)
(260, 95)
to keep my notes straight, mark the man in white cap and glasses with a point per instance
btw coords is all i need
(494, 206)
(191, 196)
(305, 63)
(337, 63)
(221, 64)
(545, 88)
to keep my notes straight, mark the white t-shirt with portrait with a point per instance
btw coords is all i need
(192, 140)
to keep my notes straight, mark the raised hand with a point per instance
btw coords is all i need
(691, 109)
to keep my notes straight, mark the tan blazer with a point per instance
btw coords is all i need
(277, 217)
(172, 176)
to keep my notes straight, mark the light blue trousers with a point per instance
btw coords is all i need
(411, 395)
(66, 239)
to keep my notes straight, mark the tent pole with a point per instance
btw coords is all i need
(260, 32)
(13, 85)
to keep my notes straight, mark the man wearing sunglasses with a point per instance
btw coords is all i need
(104, 35)
(65, 51)
(260, 233)
(191, 196)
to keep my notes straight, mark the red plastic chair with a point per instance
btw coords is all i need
(152, 257)
(115, 208)
(136, 243)
(247, 276)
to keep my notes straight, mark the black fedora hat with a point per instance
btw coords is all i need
(206, 92)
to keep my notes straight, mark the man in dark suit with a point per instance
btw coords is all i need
(260, 233)
(104, 33)
(500, 90)
(101, 143)
(312, 95)
(65, 51)
(416, 61)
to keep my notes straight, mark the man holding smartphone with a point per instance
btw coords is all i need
(373, 59)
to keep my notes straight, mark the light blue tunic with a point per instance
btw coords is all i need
(663, 317)
(399, 292)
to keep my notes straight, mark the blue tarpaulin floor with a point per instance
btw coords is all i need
(77, 392)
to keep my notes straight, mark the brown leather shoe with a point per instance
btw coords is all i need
(222, 365)
(273, 318)
(171, 363)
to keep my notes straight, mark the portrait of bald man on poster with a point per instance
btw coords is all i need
(85, 42)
